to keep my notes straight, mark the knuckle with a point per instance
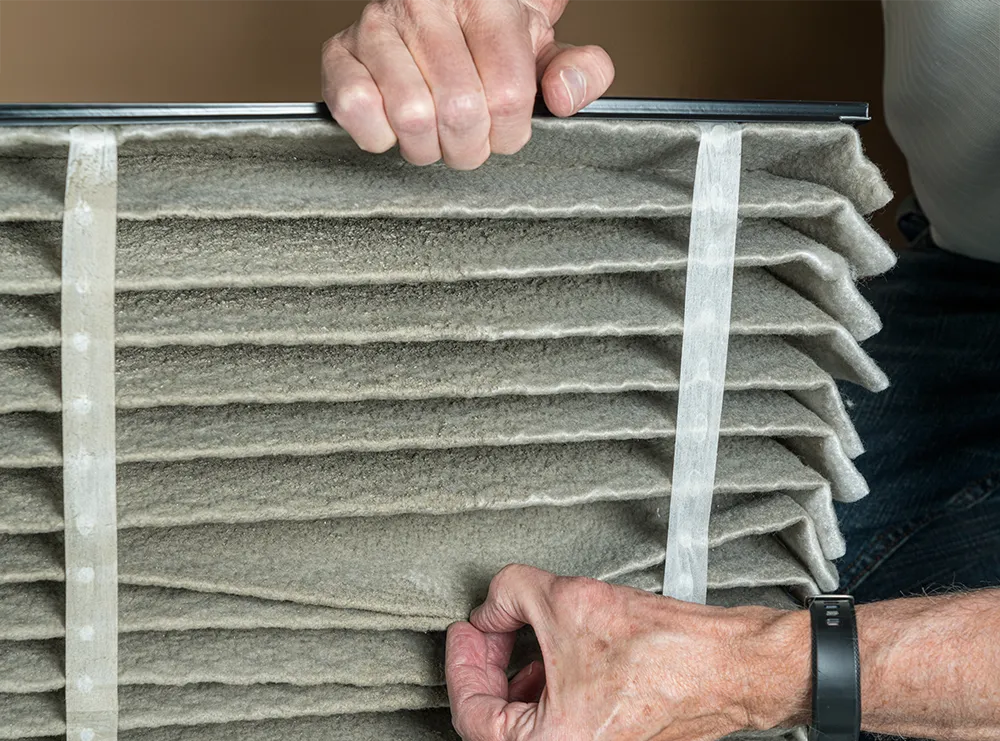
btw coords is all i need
(511, 573)
(463, 112)
(373, 15)
(332, 56)
(330, 47)
(510, 101)
(351, 100)
(508, 579)
(414, 117)
(410, 8)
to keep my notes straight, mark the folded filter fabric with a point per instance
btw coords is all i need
(348, 391)
(418, 725)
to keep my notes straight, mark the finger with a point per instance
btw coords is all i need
(354, 99)
(409, 106)
(488, 653)
(480, 711)
(498, 649)
(501, 49)
(441, 53)
(516, 598)
(574, 76)
(527, 684)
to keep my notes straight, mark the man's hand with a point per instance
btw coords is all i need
(622, 664)
(455, 78)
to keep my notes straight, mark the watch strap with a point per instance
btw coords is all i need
(836, 669)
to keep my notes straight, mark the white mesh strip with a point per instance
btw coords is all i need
(708, 296)
(88, 436)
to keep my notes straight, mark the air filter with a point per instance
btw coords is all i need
(273, 411)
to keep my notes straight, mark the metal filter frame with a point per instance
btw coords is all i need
(647, 109)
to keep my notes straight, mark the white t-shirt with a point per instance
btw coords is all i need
(942, 104)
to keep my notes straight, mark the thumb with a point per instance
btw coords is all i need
(573, 76)
(517, 597)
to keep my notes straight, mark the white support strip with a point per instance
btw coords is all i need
(708, 294)
(88, 435)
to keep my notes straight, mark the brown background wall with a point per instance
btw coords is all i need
(268, 50)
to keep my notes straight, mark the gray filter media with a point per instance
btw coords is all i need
(349, 391)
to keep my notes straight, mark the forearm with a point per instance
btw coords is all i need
(930, 667)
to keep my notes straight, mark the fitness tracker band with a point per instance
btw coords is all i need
(836, 669)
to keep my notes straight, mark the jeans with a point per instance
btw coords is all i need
(932, 460)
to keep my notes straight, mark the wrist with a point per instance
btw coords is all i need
(777, 660)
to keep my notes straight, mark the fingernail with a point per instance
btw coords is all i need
(576, 85)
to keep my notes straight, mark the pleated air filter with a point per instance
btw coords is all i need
(347, 391)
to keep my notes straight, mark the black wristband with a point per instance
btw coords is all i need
(836, 669)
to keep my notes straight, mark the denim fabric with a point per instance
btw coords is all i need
(932, 520)
(932, 461)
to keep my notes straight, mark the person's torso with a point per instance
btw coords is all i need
(942, 104)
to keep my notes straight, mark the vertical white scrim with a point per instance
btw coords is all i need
(708, 293)
(88, 435)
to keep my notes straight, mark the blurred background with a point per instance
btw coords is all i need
(105, 51)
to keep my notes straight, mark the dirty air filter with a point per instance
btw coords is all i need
(347, 391)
